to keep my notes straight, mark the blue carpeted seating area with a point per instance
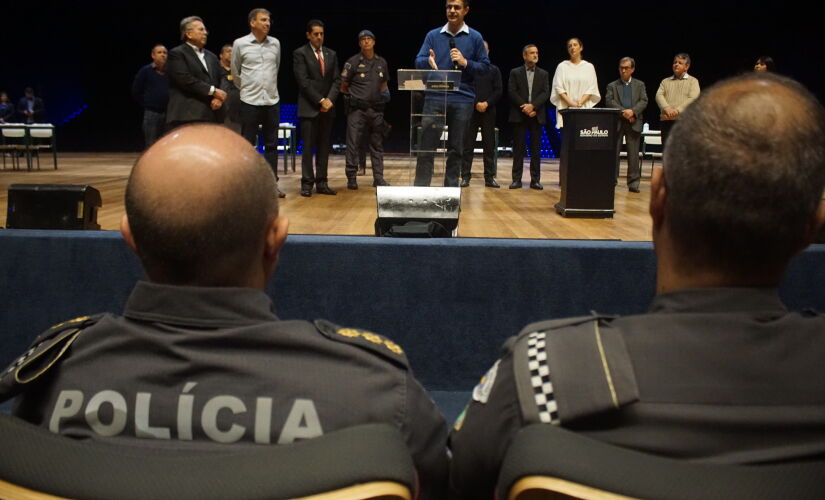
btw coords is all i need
(450, 303)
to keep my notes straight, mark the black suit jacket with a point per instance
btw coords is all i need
(518, 91)
(38, 110)
(638, 99)
(189, 85)
(488, 86)
(312, 86)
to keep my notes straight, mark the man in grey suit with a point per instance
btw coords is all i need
(316, 71)
(194, 78)
(629, 95)
(529, 90)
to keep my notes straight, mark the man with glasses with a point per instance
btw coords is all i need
(629, 95)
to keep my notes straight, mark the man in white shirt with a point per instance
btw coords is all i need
(256, 59)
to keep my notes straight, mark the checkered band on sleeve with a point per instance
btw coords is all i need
(540, 378)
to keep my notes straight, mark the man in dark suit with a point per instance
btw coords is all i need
(529, 89)
(194, 78)
(629, 95)
(316, 71)
(31, 108)
(488, 92)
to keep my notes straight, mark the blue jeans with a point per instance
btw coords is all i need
(154, 124)
(458, 117)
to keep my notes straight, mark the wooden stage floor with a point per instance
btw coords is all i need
(485, 212)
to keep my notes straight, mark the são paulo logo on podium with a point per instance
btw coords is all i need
(594, 131)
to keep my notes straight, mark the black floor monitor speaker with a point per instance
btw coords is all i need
(52, 206)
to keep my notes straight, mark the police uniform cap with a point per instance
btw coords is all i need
(364, 33)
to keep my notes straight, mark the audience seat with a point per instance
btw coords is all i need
(546, 461)
(363, 462)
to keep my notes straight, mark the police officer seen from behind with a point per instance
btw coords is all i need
(717, 370)
(199, 354)
(365, 78)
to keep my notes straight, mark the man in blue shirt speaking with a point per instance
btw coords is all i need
(453, 46)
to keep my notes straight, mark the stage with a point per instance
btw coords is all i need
(485, 212)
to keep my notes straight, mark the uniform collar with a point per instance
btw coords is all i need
(722, 300)
(193, 305)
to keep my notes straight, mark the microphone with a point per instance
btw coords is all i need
(452, 46)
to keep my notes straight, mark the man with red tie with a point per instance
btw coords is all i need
(316, 71)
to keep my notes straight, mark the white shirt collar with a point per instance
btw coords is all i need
(464, 29)
(626, 82)
(251, 39)
(199, 51)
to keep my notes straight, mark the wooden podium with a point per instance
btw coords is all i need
(589, 152)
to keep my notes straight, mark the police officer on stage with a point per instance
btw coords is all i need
(365, 80)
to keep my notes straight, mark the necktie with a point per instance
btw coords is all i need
(320, 60)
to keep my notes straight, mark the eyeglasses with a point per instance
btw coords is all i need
(625, 68)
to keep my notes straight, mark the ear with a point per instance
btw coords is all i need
(658, 197)
(126, 232)
(275, 238)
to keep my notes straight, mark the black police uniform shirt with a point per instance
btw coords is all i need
(724, 375)
(216, 365)
(365, 77)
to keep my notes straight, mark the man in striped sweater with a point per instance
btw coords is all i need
(675, 93)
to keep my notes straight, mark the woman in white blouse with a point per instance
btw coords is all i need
(574, 84)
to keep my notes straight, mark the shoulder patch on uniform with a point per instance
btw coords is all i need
(45, 352)
(571, 368)
(481, 392)
(363, 338)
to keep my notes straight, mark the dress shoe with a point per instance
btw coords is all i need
(515, 185)
(380, 182)
(465, 183)
(491, 183)
(633, 189)
(322, 188)
(536, 185)
(281, 194)
(352, 183)
(306, 193)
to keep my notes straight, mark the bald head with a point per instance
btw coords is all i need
(744, 171)
(198, 204)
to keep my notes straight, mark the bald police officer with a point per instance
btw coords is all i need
(365, 79)
(198, 353)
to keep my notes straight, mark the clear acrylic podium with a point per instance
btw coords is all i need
(411, 202)
(428, 119)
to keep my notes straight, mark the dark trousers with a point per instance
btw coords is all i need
(632, 141)
(315, 134)
(666, 126)
(487, 122)
(520, 130)
(365, 126)
(458, 114)
(267, 118)
(154, 124)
